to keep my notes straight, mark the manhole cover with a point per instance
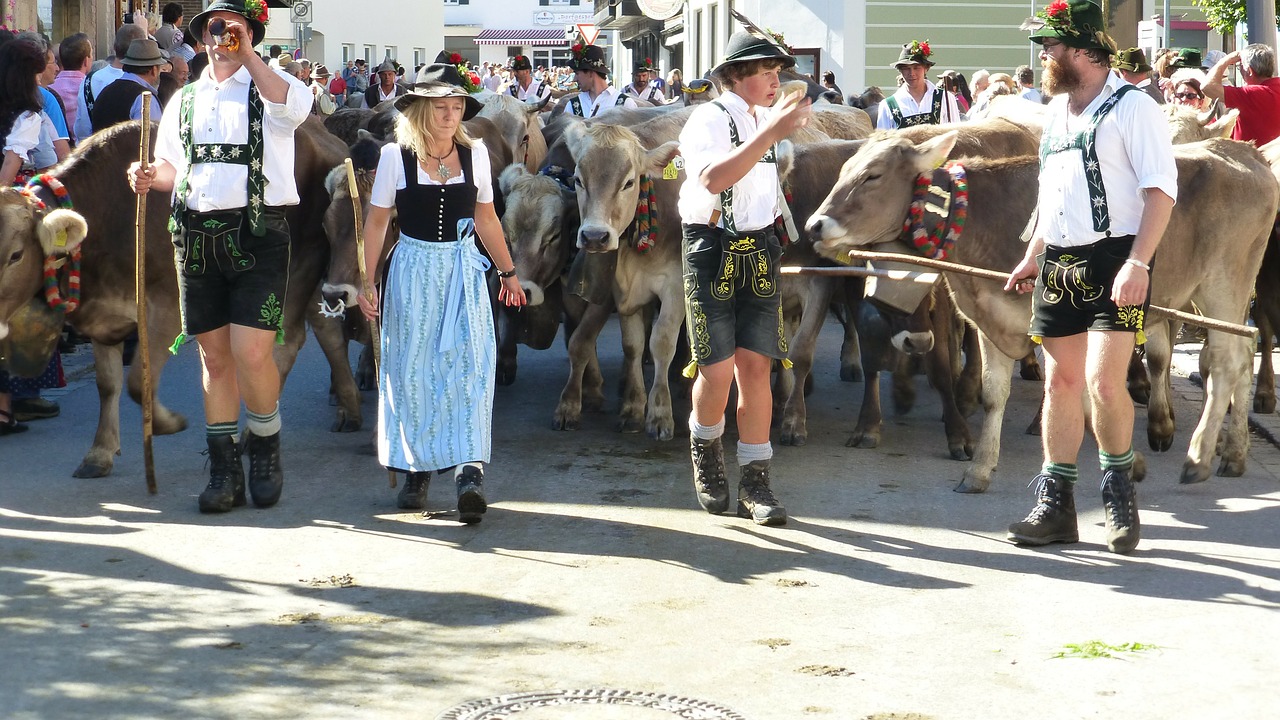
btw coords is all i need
(622, 705)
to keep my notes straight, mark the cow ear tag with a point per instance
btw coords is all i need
(670, 172)
(60, 239)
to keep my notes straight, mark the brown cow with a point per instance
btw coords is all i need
(518, 123)
(29, 234)
(94, 175)
(1227, 198)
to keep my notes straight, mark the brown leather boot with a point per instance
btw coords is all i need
(1053, 519)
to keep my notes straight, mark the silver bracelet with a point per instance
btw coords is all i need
(1138, 263)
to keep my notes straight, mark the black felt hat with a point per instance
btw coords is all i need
(256, 28)
(744, 46)
(441, 80)
(589, 57)
(520, 62)
(1075, 23)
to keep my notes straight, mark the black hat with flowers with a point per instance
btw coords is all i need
(915, 53)
(1076, 23)
(645, 65)
(745, 47)
(589, 57)
(520, 62)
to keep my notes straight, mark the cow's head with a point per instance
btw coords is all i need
(342, 279)
(1188, 126)
(873, 193)
(700, 91)
(29, 234)
(519, 123)
(540, 222)
(609, 161)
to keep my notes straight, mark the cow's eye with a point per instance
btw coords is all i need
(627, 185)
(16, 256)
(577, 182)
(872, 178)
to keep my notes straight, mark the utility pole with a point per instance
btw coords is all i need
(1261, 22)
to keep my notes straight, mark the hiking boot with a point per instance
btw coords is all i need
(413, 494)
(708, 474)
(755, 499)
(1120, 501)
(1053, 519)
(36, 408)
(471, 502)
(266, 476)
(226, 476)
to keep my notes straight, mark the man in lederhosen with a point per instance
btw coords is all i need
(733, 307)
(917, 101)
(526, 87)
(1107, 187)
(595, 94)
(642, 86)
(227, 152)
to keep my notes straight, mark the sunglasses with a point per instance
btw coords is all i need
(1188, 96)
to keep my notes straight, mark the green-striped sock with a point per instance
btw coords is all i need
(214, 430)
(1065, 471)
(1123, 461)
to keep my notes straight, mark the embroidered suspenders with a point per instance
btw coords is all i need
(575, 105)
(1084, 142)
(933, 117)
(726, 195)
(249, 154)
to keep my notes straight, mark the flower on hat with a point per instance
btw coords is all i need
(577, 50)
(456, 59)
(257, 9)
(1058, 17)
(778, 38)
(920, 48)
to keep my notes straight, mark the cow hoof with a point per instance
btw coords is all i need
(592, 403)
(793, 438)
(1193, 473)
(344, 424)
(863, 441)
(168, 423)
(1231, 468)
(91, 470)
(366, 381)
(1034, 428)
(850, 373)
(661, 431)
(1140, 394)
(1159, 442)
(630, 425)
(961, 452)
(1264, 404)
(972, 485)
(1032, 372)
(506, 375)
(564, 421)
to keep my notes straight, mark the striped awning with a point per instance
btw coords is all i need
(532, 36)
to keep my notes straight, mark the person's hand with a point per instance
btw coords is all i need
(510, 293)
(244, 42)
(793, 113)
(1130, 286)
(140, 178)
(1023, 277)
(1231, 58)
(368, 303)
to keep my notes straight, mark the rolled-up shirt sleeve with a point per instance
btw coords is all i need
(296, 106)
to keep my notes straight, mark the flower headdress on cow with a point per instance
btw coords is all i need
(589, 57)
(915, 52)
(253, 11)
(1076, 23)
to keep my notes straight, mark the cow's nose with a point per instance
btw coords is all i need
(815, 225)
(593, 239)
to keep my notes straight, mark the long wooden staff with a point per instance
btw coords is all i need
(947, 266)
(140, 293)
(365, 286)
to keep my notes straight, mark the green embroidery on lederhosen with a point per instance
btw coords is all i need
(933, 117)
(250, 154)
(271, 313)
(1084, 141)
(699, 335)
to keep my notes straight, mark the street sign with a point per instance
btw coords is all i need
(301, 12)
(589, 32)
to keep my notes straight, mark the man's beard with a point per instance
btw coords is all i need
(1059, 78)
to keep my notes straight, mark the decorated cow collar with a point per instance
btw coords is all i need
(936, 240)
(52, 287)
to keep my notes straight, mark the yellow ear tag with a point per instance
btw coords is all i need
(670, 172)
(60, 239)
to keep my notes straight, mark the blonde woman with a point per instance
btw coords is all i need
(435, 387)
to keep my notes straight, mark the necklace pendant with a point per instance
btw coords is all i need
(444, 171)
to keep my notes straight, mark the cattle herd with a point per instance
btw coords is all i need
(569, 193)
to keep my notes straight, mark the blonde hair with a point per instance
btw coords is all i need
(414, 126)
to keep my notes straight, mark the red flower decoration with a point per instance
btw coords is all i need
(577, 48)
(924, 48)
(1055, 8)
(456, 59)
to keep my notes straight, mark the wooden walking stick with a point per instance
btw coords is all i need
(140, 293)
(1002, 277)
(365, 286)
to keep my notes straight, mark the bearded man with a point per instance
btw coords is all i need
(1107, 187)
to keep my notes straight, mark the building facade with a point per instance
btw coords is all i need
(495, 30)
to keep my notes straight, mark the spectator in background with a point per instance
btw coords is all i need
(1258, 99)
(675, 84)
(338, 89)
(491, 80)
(75, 55)
(1026, 78)
(1132, 66)
(387, 87)
(187, 48)
(357, 85)
(953, 82)
(1188, 90)
(324, 104)
(55, 137)
(829, 82)
(121, 101)
(168, 36)
(98, 81)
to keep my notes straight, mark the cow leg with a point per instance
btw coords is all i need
(804, 346)
(1160, 423)
(660, 420)
(939, 368)
(1228, 366)
(1235, 450)
(592, 379)
(851, 368)
(109, 373)
(997, 377)
(1264, 397)
(333, 344)
(875, 347)
(506, 329)
(1138, 383)
(582, 347)
(632, 413)
(1029, 367)
(163, 420)
(969, 384)
(366, 370)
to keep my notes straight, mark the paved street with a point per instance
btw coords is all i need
(886, 596)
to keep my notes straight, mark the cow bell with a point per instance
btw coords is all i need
(896, 295)
(33, 335)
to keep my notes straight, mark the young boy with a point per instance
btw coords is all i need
(728, 204)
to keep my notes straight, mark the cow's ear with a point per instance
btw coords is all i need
(1223, 127)
(660, 157)
(335, 180)
(509, 177)
(932, 153)
(786, 158)
(61, 232)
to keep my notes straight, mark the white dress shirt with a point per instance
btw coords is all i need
(705, 139)
(24, 135)
(1135, 152)
(390, 176)
(908, 106)
(537, 90)
(221, 115)
(606, 100)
